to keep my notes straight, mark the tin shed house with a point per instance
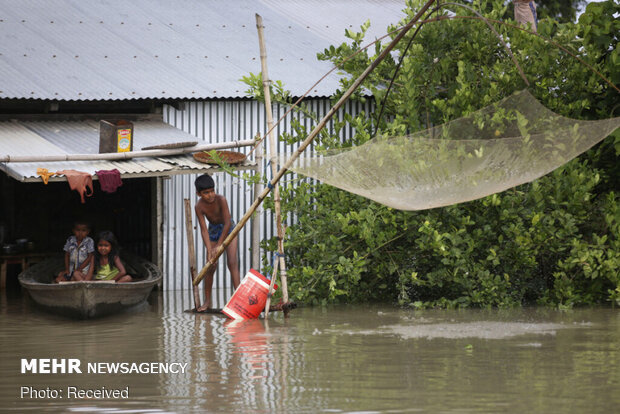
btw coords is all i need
(172, 69)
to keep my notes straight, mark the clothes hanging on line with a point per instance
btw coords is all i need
(45, 174)
(109, 180)
(79, 181)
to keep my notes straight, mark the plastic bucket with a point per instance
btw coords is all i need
(249, 299)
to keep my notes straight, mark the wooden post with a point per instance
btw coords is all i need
(256, 220)
(273, 152)
(189, 228)
(309, 139)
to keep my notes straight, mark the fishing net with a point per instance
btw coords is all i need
(495, 148)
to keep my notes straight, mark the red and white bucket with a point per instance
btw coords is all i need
(249, 299)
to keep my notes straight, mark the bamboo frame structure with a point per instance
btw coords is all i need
(189, 228)
(356, 84)
(272, 157)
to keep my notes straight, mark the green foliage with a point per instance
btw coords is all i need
(564, 11)
(256, 90)
(599, 27)
(539, 243)
(555, 241)
(250, 179)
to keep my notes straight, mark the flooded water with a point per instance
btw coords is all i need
(360, 359)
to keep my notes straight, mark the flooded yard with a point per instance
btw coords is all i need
(339, 359)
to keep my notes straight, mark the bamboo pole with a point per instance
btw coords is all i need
(189, 228)
(125, 155)
(271, 284)
(273, 152)
(309, 139)
(256, 220)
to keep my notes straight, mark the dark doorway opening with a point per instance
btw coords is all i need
(44, 215)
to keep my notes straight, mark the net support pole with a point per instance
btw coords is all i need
(271, 284)
(255, 239)
(273, 152)
(309, 139)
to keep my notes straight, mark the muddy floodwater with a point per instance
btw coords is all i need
(339, 359)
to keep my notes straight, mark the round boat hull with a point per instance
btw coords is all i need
(89, 299)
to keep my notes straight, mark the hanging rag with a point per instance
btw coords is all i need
(109, 180)
(79, 181)
(44, 174)
(525, 12)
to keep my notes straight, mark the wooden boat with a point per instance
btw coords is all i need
(89, 299)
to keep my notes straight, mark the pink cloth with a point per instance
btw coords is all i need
(79, 181)
(109, 180)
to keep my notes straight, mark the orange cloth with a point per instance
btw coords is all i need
(79, 181)
(45, 174)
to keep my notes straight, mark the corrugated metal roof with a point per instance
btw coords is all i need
(38, 138)
(142, 49)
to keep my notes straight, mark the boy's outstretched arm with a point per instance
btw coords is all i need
(91, 268)
(86, 262)
(204, 231)
(67, 271)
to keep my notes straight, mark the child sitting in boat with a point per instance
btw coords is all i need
(79, 250)
(107, 263)
(215, 208)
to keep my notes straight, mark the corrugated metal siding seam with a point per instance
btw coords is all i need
(183, 187)
(215, 121)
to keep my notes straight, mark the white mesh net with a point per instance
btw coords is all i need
(498, 147)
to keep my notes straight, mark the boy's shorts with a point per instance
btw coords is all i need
(215, 230)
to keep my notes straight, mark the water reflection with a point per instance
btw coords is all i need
(251, 347)
(236, 363)
(336, 359)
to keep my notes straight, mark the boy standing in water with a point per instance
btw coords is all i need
(215, 208)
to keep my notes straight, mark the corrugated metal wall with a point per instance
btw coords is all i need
(223, 121)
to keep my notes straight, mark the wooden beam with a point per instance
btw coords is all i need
(125, 155)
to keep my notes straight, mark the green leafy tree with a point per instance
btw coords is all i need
(555, 241)
(563, 11)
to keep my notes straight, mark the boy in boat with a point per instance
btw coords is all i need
(79, 249)
(215, 208)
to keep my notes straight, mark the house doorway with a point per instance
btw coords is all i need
(44, 215)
